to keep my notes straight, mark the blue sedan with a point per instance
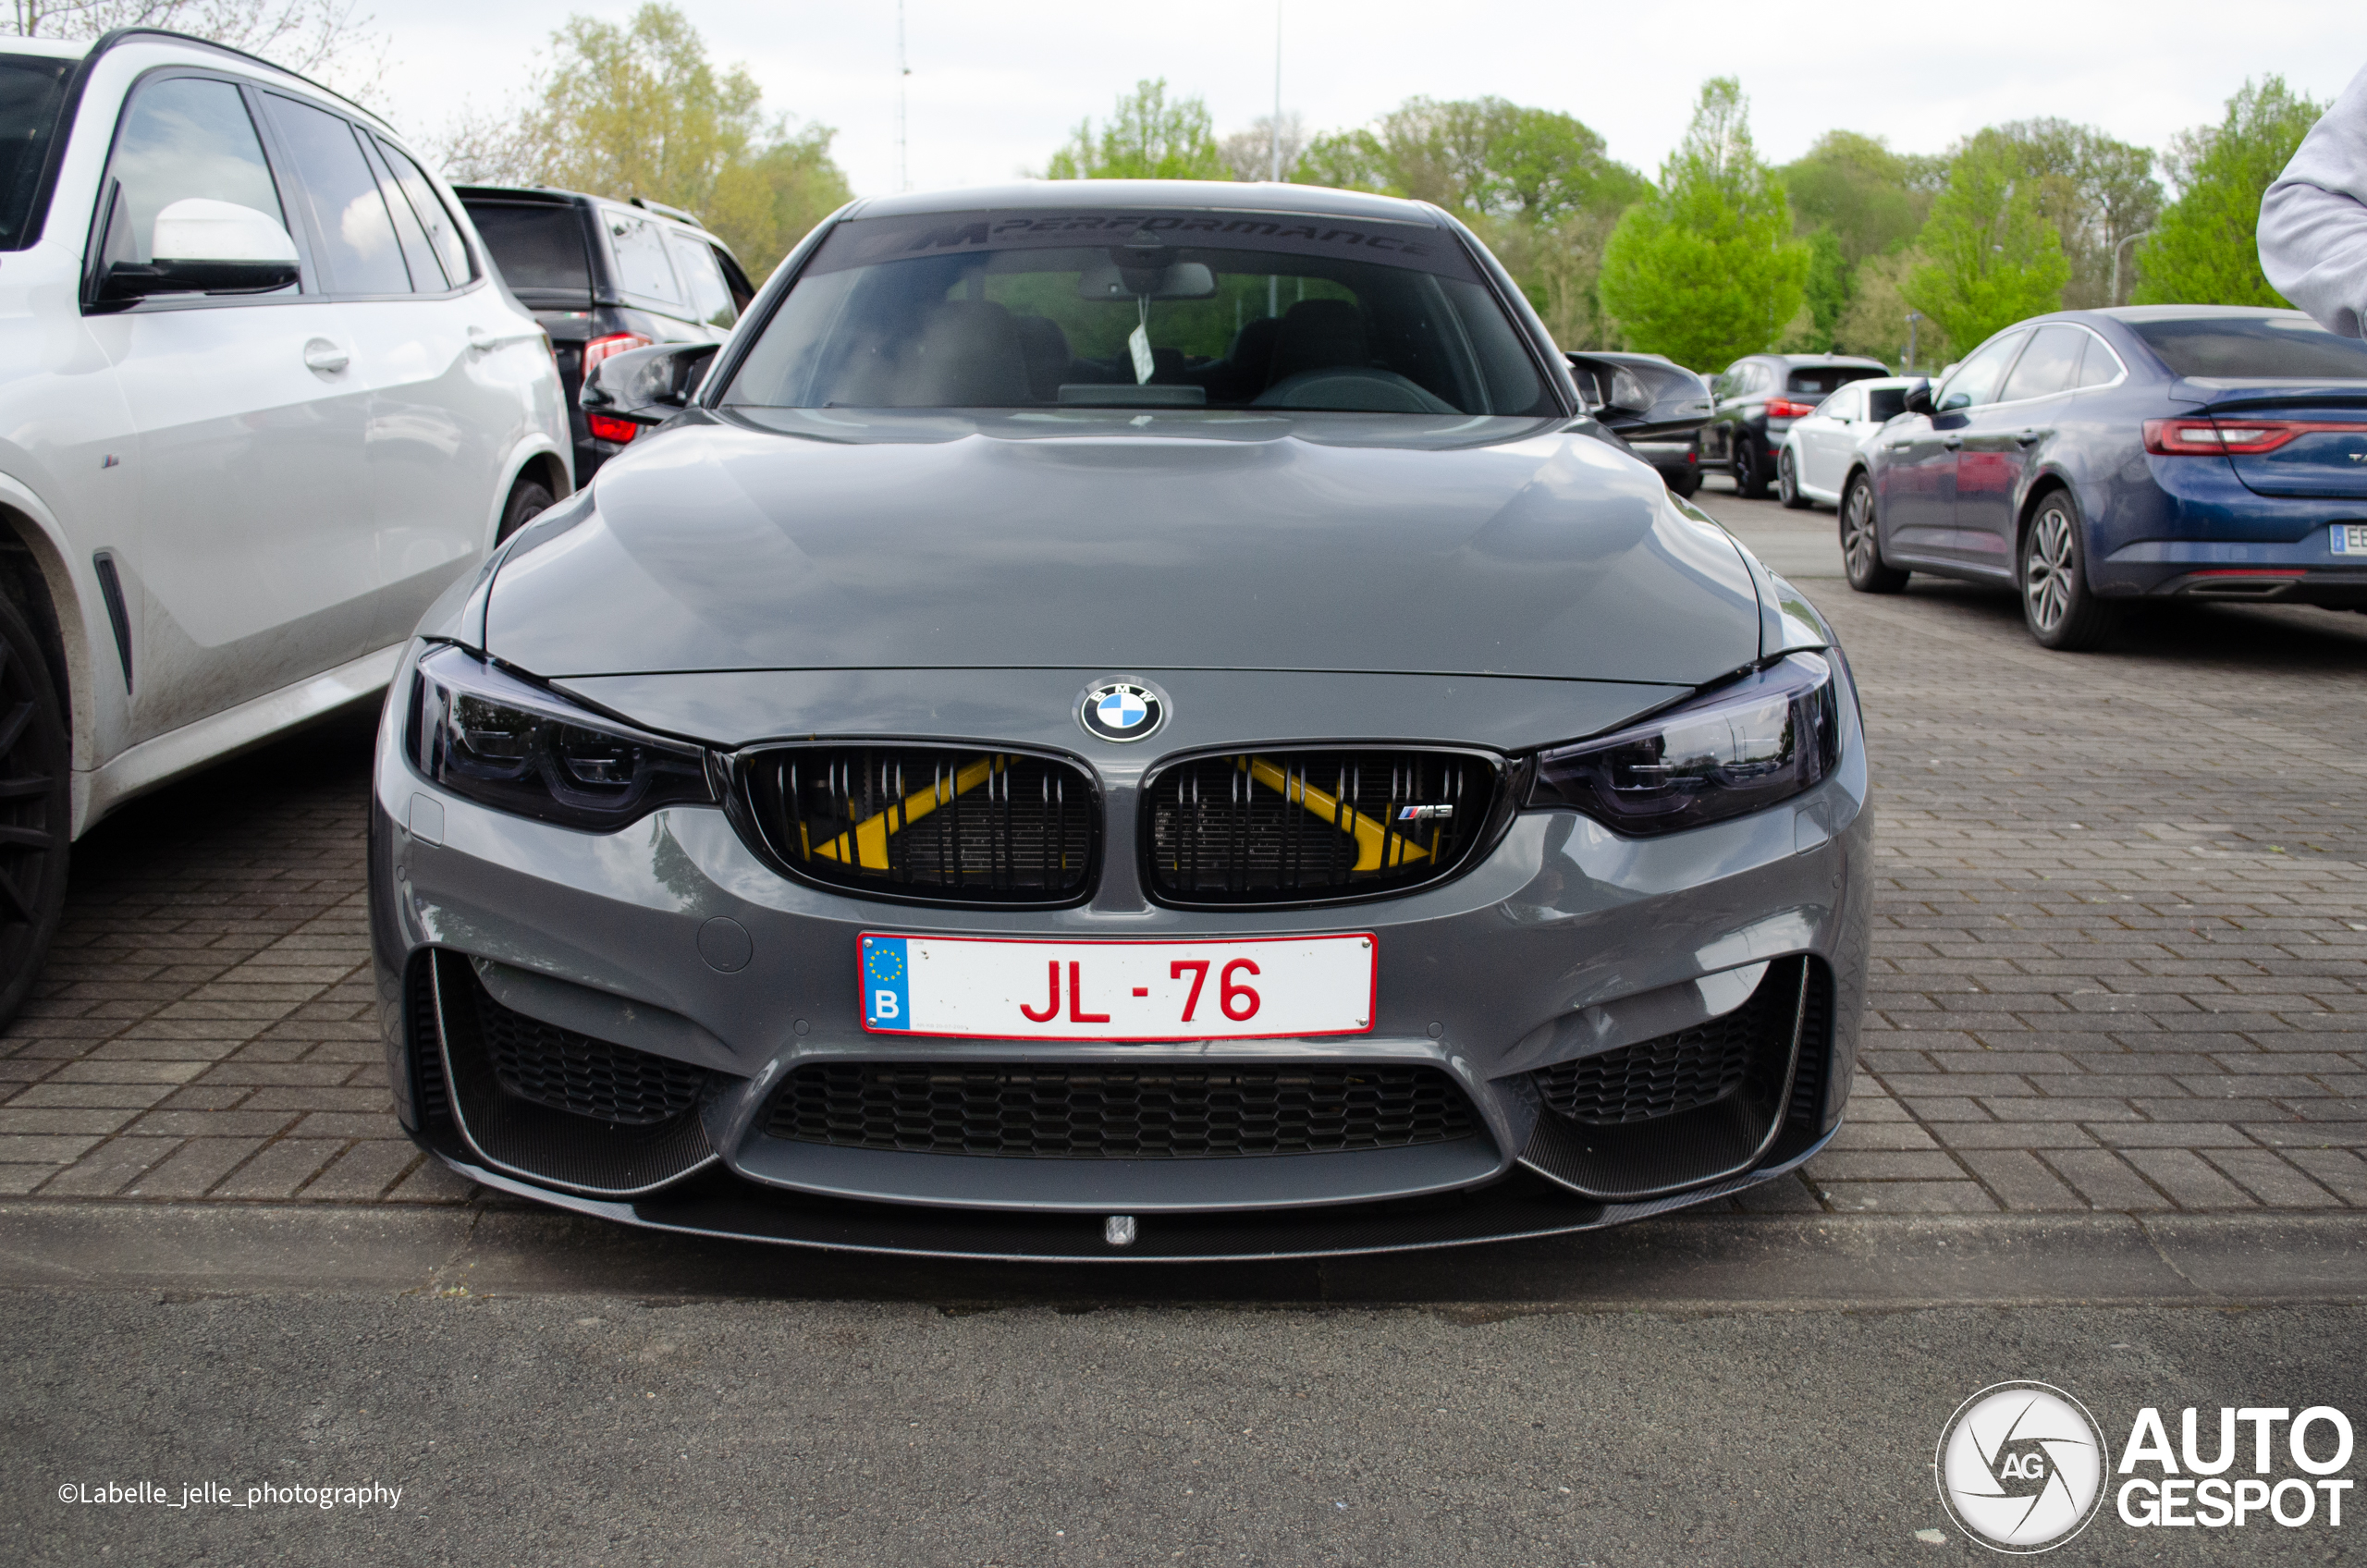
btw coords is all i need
(2088, 458)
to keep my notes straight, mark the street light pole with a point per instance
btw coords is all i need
(2117, 251)
(903, 102)
(1912, 318)
(1274, 142)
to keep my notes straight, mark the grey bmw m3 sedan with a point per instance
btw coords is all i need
(1121, 721)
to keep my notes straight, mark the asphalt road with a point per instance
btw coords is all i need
(594, 1430)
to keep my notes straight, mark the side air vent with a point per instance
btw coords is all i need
(1285, 826)
(925, 823)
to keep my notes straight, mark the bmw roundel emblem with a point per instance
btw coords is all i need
(1122, 710)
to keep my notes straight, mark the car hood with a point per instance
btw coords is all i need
(829, 540)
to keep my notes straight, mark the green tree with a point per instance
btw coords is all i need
(1852, 198)
(1992, 255)
(1146, 138)
(1709, 269)
(638, 109)
(2096, 193)
(1537, 185)
(2206, 250)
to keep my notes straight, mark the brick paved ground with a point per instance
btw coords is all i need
(2120, 931)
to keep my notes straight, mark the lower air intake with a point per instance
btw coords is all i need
(560, 1107)
(1304, 826)
(1676, 1072)
(1682, 1110)
(1117, 1112)
(929, 823)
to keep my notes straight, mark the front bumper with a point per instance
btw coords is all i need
(1564, 942)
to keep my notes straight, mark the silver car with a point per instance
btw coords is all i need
(1121, 721)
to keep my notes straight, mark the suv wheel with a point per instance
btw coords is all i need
(529, 500)
(1750, 476)
(1861, 549)
(1787, 481)
(2061, 610)
(35, 768)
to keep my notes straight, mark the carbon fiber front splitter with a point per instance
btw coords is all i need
(1522, 1206)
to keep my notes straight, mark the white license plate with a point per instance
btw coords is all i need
(2348, 539)
(1016, 989)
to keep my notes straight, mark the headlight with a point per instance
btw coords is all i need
(1739, 748)
(483, 733)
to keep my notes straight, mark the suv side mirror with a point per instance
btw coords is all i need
(646, 385)
(1918, 397)
(202, 246)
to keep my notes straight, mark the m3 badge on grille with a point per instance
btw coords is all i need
(1122, 710)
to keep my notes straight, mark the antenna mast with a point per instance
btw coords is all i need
(1274, 155)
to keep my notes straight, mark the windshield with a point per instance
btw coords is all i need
(32, 87)
(1170, 310)
(2278, 347)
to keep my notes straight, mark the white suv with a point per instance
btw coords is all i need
(262, 399)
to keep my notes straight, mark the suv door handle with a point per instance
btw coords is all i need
(481, 341)
(2026, 438)
(323, 355)
(1951, 442)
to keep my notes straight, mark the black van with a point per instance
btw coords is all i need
(604, 276)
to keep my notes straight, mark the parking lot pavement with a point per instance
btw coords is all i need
(1801, 545)
(2121, 920)
(609, 1429)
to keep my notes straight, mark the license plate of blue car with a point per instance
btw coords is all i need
(1241, 988)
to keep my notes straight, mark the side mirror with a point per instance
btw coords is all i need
(1918, 397)
(646, 385)
(202, 246)
(1642, 398)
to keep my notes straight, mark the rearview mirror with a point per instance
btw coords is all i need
(1640, 397)
(1918, 397)
(646, 385)
(1177, 280)
(202, 246)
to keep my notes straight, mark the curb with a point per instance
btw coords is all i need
(1724, 1263)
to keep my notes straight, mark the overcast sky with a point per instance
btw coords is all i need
(996, 88)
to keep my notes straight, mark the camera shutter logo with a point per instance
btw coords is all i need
(2021, 1467)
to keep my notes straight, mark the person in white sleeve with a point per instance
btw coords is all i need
(2314, 220)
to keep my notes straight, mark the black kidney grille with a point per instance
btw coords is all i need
(1681, 1072)
(1117, 1112)
(924, 821)
(574, 1072)
(1287, 825)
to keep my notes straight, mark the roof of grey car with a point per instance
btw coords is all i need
(1176, 195)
